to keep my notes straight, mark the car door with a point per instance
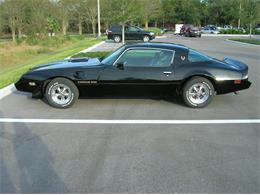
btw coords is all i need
(140, 66)
(133, 33)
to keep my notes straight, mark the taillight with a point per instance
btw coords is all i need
(237, 81)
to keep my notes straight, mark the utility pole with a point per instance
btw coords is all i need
(239, 20)
(98, 5)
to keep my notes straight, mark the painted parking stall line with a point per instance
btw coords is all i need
(101, 121)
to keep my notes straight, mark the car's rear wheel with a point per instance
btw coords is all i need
(198, 92)
(146, 38)
(117, 38)
(61, 93)
(186, 34)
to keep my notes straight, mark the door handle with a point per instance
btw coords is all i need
(167, 73)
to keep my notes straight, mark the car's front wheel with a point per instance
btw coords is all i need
(146, 38)
(61, 93)
(117, 38)
(198, 92)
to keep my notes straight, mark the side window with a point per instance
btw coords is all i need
(147, 58)
(195, 56)
(132, 29)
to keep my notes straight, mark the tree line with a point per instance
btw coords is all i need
(41, 17)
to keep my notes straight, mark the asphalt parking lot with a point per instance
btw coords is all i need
(136, 158)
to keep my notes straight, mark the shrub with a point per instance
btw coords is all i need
(156, 31)
(239, 31)
(232, 31)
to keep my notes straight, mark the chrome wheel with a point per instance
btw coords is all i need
(117, 39)
(61, 94)
(146, 39)
(198, 93)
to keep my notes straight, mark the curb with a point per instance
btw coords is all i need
(160, 37)
(87, 50)
(229, 35)
(241, 43)
(7, 91)
(11, 88)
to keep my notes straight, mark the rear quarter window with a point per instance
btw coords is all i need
(195, 56)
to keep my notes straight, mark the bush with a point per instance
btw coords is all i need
(239, 31)
(255, 32)
(156, 31)
(232, 31)
(47, 41)
(32, 40)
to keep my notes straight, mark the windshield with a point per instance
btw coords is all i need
(109, 60)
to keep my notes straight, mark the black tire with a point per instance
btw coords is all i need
(52, 89)
(117, 38)
(146, 38)
(200, 99)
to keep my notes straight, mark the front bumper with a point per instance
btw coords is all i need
(229, 86)
(28, 85)
(152, 37)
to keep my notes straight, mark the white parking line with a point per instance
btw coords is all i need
(100, 121)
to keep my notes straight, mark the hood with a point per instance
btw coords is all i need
(70, 63)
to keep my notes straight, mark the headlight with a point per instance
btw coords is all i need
(151, 33)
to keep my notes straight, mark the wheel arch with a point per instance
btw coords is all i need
(209, 77)
(47, 81)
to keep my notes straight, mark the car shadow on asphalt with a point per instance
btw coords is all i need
(30, 163)
(155, 93)
(141, 92)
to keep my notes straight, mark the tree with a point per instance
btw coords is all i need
(91, 13)
(251, 9)
(13, 15)
(52, 25)
(79, 9)
(123, 11)
(64, 9)
(38, 13)
(168, 11)
(150, 9)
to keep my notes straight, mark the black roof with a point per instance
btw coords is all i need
(161, 45)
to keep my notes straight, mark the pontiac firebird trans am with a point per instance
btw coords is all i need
(196, 77)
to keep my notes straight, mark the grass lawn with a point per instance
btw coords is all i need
(18, 59)
(250, 41)
(97, 54)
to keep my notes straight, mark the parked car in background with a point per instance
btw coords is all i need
(210, 29)
(131, 33)
(178, 28)
(227, 27)
(257, 27)
(188, 30)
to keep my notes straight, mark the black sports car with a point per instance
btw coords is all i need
(196, 77)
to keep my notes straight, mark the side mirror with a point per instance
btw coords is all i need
(120, 65)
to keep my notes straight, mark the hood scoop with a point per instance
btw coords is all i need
(78, 59)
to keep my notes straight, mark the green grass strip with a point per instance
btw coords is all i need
(13, 75)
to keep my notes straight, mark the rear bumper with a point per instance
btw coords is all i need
(195, 34)
(229, 86)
